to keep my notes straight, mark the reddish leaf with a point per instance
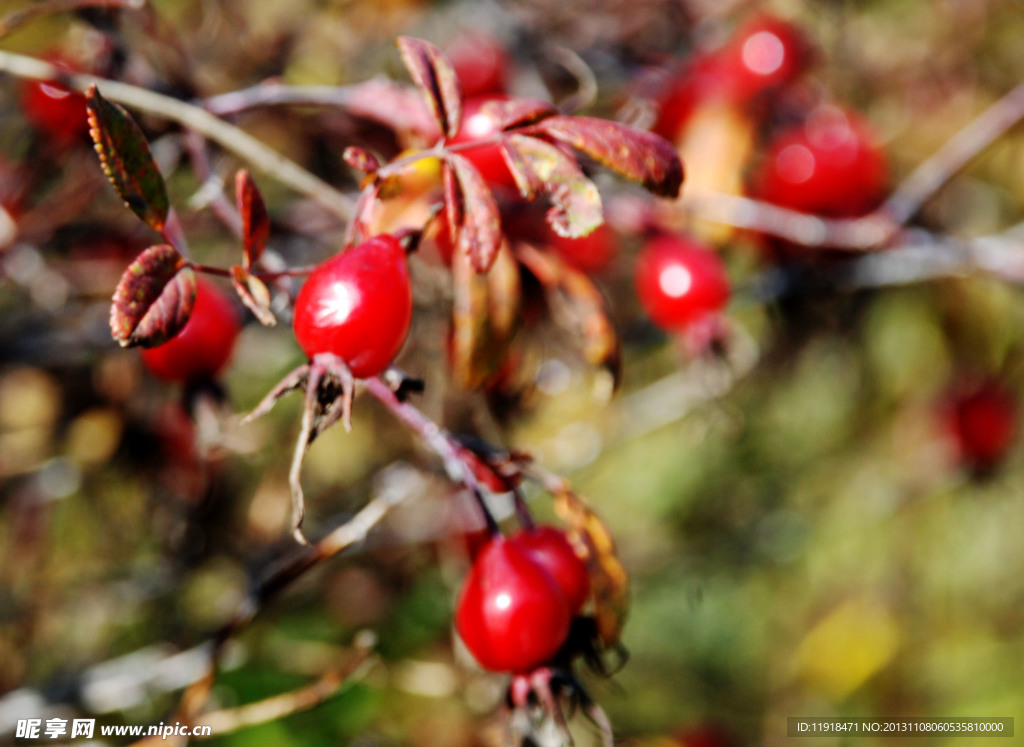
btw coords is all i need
(434, 75)
(126, 160)
(153, 299)
(360, 159)
(577, 305)
(398, 107)
(254, 294)
(475, 213)
(255, 221)
(576, 203)
(635, 154)
(517, 112)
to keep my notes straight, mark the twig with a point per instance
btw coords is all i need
(936, 170)
(229, 720)
(17, 18)
(229, 137)
(881, 226)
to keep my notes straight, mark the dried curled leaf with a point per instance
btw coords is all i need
(485, 318)
(576, 203)
(254, 294)
(434, 75)
(472, 212)
(255, 221)
(635, 154)
(578, 306)
(126, 160)
(609, 582)
(153, 299)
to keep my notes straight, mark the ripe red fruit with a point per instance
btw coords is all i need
(479, 123)
(680, 282)
(481, 64)
(54, 110)
(358, 306)
(590, 254)
(511, 613)
(204, 345)
(983, 422)
(552, 549)
(829, 166)
(765, 53)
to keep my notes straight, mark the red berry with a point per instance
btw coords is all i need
(680, 282)
(481, 64)
(54, 110)
(511, 613)
(204, 345)
(591, 253)
(552, 549)
(983, 422)
(358, 306)
(827, 166)
(765, 53)
(480, 122)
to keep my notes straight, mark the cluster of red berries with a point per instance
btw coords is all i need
(517, 603)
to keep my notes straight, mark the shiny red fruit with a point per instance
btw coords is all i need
(765, 53)
(481, 64)
(680, 281)
(552, 549)
(479, 123)
(983, 422)
(358, 306)
(54, 110)
(511, 613)
(204, 346)
(590, 254)
(829, 166)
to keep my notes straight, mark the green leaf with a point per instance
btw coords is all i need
(126, 160)
(153, 299)
(635, 154)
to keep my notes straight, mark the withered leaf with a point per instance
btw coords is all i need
(255, 221)
(153, 299)
(609, 582)
(485, 317)
(126, 160)
(576, 203)
(434, 75)
(635, 154)
(477, 222)
(577, 305)
(254, 294)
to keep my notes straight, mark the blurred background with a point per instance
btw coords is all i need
(821, 512)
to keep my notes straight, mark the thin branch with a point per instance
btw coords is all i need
(229, 137)
(229, 720)
(881, 226)
(18, 18)
(956, 153)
